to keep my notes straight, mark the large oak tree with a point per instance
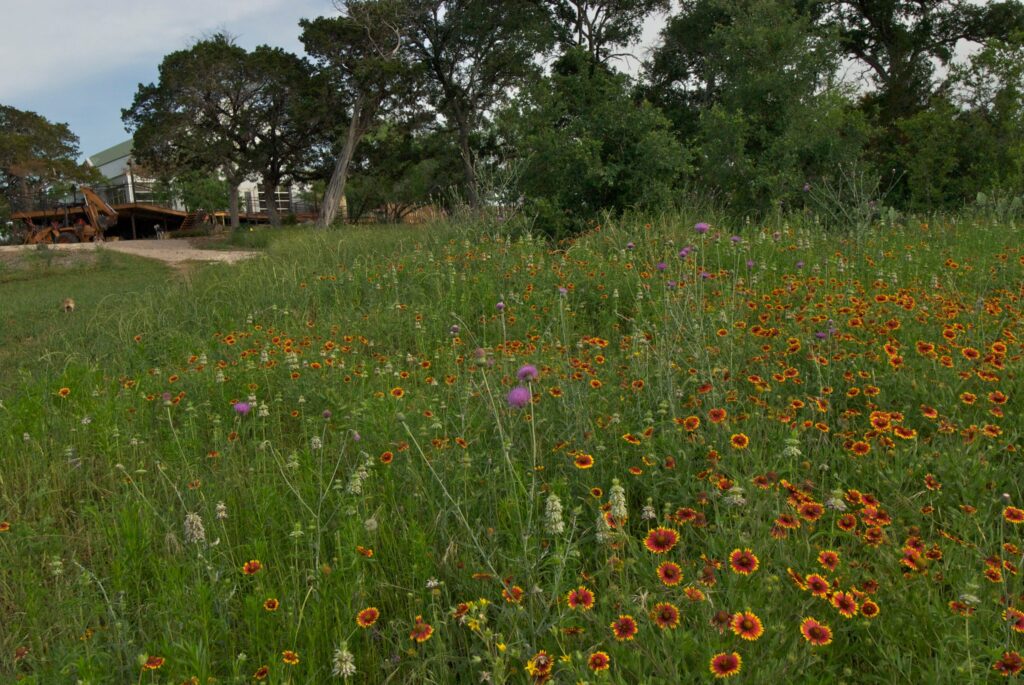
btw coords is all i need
(202, 114)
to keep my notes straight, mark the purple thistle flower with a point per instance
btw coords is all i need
(527, 372)
(800, 264)
(562, 290)
(326, 414)
(701, 228)
(500, 306)
(807, 187)
(630, 245)
(519, 397)
(735, 239)
(356, 436)
(661, 266)
(242, 408)
(454, 330)
(705, 275)
(671, 285)
(821, 335)
(750, 263)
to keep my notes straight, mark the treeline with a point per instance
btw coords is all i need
(546, 108)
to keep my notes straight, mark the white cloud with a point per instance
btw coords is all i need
(49, 44)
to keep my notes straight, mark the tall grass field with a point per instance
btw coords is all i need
(673, 452)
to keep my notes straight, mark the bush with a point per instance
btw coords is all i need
(589, 148)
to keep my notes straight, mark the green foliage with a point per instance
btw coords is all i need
(292, 114)
(36, 156)
(590, 148)
(199, 115)
(902, 41)
(196, 190)
(933, 154)
(363, 57)
(753, 79)
(474, 55)
(401, 167)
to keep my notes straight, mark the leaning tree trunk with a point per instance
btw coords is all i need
(468, 167)
(335, 191)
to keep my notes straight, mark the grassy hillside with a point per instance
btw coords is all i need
(659, 455)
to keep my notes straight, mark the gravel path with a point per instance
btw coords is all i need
(170, 251)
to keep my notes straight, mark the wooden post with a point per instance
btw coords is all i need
(135, 236)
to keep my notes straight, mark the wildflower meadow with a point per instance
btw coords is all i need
(670, 451)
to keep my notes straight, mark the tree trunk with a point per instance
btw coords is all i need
(468, 167)
(335, 191)
(270, 193)
(233, 203)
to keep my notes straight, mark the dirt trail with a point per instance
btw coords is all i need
(174, 252)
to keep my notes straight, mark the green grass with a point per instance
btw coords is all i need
(33, 286)
(377, 367)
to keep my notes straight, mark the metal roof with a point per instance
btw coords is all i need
(111, 153)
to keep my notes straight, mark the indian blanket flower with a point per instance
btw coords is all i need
(829, 559)
(665, 615)
(153, 663)
(746, 625)
(581, 598)
(1010, 664)
(818, 634)
(743, 561)
(539, 666)
(367, 617)
(845, 604)
(290, 657)
(421, 630)
(670, 574)
(1015, 618)
(518, 397)
(251, 567)
(817, 585)
(1013, 515)
(661, 540)
(513, 595)
(583, 460)
(739, 441)
(725, 664)
(599, 661)
(624, 628)
(271, 604)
